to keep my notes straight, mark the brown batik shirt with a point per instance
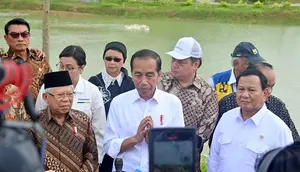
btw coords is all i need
(199, 103)
(39, 68)
(71, 147)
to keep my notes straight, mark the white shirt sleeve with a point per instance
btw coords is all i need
(112, 141)
(213, 158)
(40, 104)
(285, 137)
(98, 121)
(211, 82)
(178, 116)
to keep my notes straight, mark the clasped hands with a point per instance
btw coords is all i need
(143, 128)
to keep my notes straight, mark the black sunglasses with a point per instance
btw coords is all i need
(17, 35)
(114, 59)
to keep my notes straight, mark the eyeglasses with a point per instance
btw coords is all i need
(60, 96)
(17, 35)
(114, 59)
(60, 66)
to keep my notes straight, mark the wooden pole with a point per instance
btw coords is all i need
(46, 8)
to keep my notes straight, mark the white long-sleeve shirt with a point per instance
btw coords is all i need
(237, 143)
(125, 114)
(88, 99)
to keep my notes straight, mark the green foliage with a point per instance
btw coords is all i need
(286, 4)
(275, 5)
(203, 164)
(109, 5)
(258, 4)
(224, 4)
(188, 3)
(163, 1)
(241, 3)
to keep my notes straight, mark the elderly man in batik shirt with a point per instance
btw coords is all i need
(199, 100)
(17, 35)
(71, 144)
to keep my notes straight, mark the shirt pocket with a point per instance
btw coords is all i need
(258, 147)
(224, 141)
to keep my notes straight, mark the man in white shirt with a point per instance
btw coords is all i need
(133, 113)
(247, 132)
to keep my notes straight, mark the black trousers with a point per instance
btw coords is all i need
(107, 164)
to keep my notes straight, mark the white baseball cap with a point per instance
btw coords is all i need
(186, 47)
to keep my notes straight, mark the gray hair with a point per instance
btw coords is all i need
(48, 90)
(239, 59)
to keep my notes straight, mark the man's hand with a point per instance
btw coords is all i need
(142, 129)
(39, 53)
(149, 126)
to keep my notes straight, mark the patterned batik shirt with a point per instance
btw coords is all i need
(199, 103)
(273, 103)
(71, 147)
(39, 66)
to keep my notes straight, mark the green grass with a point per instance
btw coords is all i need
(146, 10)
(203, 164)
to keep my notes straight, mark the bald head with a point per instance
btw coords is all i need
(267, 70)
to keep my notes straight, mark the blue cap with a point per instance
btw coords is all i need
(248, 51)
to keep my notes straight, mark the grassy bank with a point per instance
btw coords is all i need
(204, 11)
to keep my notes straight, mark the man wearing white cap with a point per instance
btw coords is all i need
(198, 98)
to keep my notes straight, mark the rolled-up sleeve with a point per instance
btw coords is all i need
(98, 122)
(112, 140)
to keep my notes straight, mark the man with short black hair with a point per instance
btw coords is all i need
(273, 103)
(17, 36)
(248, 131)
(133, 113)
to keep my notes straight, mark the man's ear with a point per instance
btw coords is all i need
(46, 97)
(267, 93)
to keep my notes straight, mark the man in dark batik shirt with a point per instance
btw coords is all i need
(71, 144)
(273, 103)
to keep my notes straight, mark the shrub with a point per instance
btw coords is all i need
(224, 4)
(241, 3)
(188, 3)
(275, 5)
(286, 4)
(258, 4)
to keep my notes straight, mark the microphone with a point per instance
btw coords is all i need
(118, 164)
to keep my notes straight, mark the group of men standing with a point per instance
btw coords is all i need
(111, 113)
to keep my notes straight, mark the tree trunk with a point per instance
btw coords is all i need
(46, 28)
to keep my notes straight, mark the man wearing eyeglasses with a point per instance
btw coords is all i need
(112, 82)
(71, 143)
(17, 36)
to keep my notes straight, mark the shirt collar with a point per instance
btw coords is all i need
(68, 117)
(109, 79)
(232, 79)
(12, 55)
(80, 86)
(156, 96)
(197, 81)
(256, 118)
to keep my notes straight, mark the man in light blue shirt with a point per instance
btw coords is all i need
(248, 131)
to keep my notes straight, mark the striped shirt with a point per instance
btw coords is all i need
(70, 146)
